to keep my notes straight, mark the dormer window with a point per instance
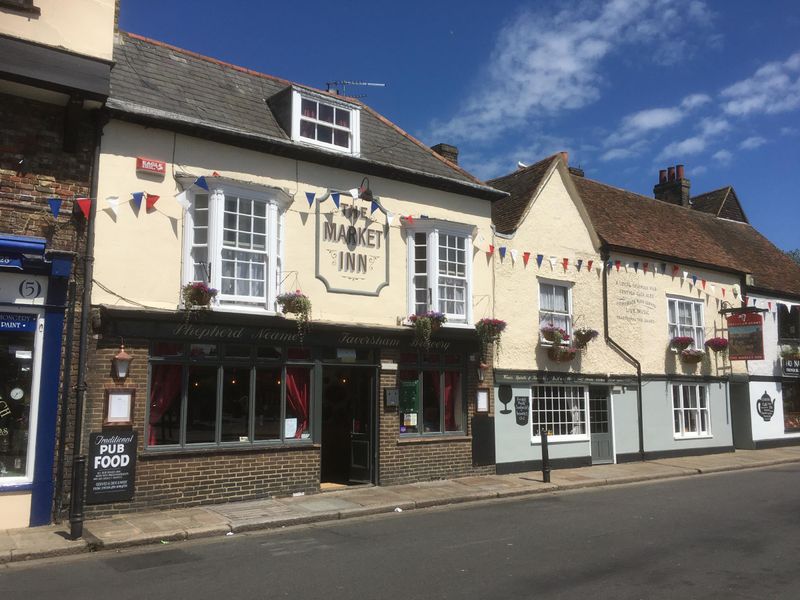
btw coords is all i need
(325, 122)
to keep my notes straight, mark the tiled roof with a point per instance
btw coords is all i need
(722, 203)
(625, 220)
(628, 220)
(521, 185)
(160, 81)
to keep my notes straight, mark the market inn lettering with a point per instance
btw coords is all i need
(353, 237)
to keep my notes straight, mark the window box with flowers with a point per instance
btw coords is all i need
(681, 343)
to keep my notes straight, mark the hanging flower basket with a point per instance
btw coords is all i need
(583, 336)
(553, 334)
(681, 342)
(490, 332)
(692, 357)
(790, 352)
(298, 304)
(424, 325)
(562, 353)
(717, 344)
(197, 295)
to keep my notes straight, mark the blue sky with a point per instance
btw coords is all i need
(627, 87)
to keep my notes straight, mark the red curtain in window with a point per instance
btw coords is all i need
(165, 389)
(297, 388)
(451, 381)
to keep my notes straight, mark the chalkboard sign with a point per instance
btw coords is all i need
(409, 400)
(112, 467)
(521, 409)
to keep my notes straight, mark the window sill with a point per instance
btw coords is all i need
(15, 486)
(561, 439)
(441, 438)
(174, 452)
(704, 436)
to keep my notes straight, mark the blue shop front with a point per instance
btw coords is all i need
(33, 295)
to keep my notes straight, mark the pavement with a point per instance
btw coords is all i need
(228, 519)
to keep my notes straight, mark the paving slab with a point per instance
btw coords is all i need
(436, 493)
(507, 486)
(262, 514)
(37, 542)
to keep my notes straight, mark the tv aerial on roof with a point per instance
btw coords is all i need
(340, 87)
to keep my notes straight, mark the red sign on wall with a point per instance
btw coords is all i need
(150, 165)
(746, 336)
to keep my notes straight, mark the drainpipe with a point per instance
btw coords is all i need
(78, 460)
(66, 385)
(625, 354)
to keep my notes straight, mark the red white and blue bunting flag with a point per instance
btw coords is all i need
(589, 264)
(55, 206)
(526, 256)
(636, 266)
(335, 198)
(553, 261)
(310, 198)
(579, 264)
(150, 201)
(201, 182)
(565, 263)
(514, 253)
(539, 259)
(113, 205)
(137, 199)
(85, 204)
(502, 252)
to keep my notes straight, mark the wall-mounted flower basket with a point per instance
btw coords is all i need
(553, 334)
(490, 332)
(692, 357)
(681, 342)
(717, 344)
(583, 336)
(562, 353)
(298, 304)
(197, 295)
(424, 325)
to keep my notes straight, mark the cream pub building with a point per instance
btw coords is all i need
(256, 186)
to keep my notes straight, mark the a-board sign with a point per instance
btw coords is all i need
(522, 406)
(112, 467)
(745, 336)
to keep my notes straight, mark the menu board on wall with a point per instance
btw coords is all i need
(746, 336)
(112, 467)
(790, 367)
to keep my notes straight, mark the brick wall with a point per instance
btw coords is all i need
(33, 132)
(426, 459)
(182, 479)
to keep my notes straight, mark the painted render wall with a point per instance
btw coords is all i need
(80, 26)
(771, 365)
(638, 311)
(149, 245)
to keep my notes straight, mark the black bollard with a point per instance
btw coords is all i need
(545, 457)
(76, 498)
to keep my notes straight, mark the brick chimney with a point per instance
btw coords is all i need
(446, 151)
(672, 186)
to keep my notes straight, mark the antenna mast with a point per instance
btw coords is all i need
(340, 87)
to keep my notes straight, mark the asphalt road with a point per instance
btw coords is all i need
(734, 535)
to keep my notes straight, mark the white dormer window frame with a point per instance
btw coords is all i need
(432, 245)
(326, 122)
(220, 246)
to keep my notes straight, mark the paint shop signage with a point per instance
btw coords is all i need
(112, 467)
(352, 249)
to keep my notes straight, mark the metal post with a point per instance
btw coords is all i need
(76, 498)
(545, 457)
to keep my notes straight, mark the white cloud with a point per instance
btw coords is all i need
(711, 126)
(635, 125)
(789, 131)
(722, 156)
(699, 170)
(616, 154)
(773, 88)
(677, 150)
(752, 142)
(546, 63)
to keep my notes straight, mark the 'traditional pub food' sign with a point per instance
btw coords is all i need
(112, 467)
(745, 336)
(352, 250)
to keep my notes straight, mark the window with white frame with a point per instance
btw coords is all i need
(233, 243)
(686, 320)
(440, 277)
(555, 306)
(325, 122)
(691, 416)
(559, 408)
